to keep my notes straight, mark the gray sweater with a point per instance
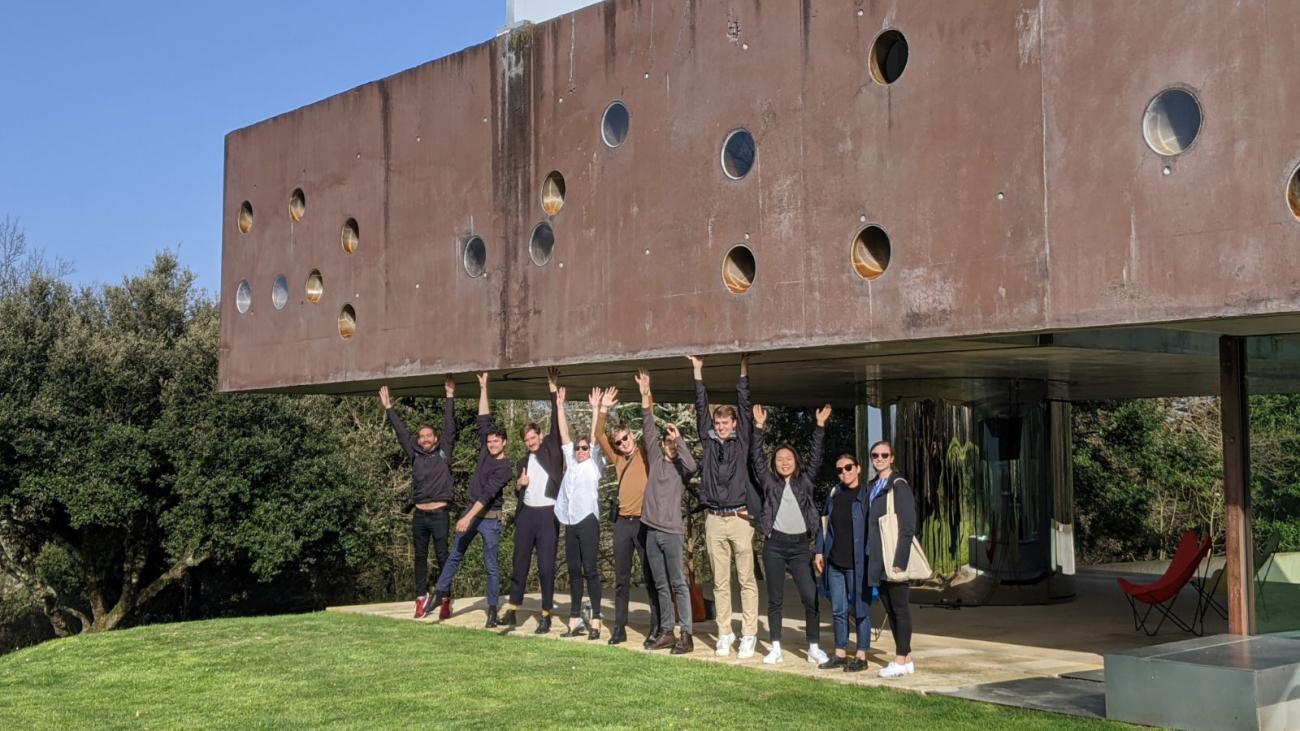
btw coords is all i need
(662, 509)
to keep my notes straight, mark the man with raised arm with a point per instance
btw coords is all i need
(536, 530)
(483, 517)
(733, 503)
(430, 455)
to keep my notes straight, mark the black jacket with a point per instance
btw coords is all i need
(773, 485)
(905, 506)
(430, 471)
(550, 455)
(491, 475)
(724, 470)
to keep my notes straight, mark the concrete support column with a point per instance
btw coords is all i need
(1235, 417)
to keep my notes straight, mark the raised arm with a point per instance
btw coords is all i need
(703, 421)
(743, 425)
(484, 411)
(553, 383)
(561, 425)
(650, 435)
(403, 436)
(684, 456)
(757, 457)
(448, 439)
(598, 420)
(818, 451)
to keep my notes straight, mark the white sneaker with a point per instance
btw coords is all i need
(894, 670)
(774, 656)
(724, 645)
(816, 656)
(747, 644)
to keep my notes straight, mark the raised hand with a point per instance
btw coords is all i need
(697, 364)
(383, 397)
(760, 416)
(482, 379)
(823, 415)
(672, 432)
(560, 395)
(643, 380)
(594, 398)
(744, 363)
(449, 385)
(610, 398)
(552, 378)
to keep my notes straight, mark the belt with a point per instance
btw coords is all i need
(726, 511)
(492, 515)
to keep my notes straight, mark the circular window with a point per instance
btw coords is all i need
(614, 124)
(297, 204)
(541, 244)
(243, 296)
(245, 217)
(315, 287)
(870, 252)
(351, 235)
(738, 153)
(1171, 122)
(475, 259)
(1293, 193)
(280, 292)
(553, 193)
(738, 269)
(888, 57)
(347, 322)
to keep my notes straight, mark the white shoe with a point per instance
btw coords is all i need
(816, 656)
(747, 645)
(774, 656)
(724, 645)
(894, 670)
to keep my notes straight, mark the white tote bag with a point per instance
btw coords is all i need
(918, 566)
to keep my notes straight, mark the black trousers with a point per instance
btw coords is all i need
(427, 525)
(894, 597)
(535, 530)
(781, 553)
(629, 539)
(581, 547)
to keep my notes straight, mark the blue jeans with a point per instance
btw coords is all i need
(844, 589)
(490, 529)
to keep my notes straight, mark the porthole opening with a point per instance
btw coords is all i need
(888, 57)
(614, 125)
(245, 217)
(475, 259)
(553, 193)
(347, 322)
(738, 269)
(870, 253)
(738, 154)
(297, 204)
(351, 235)
(280, 292)
(541, 244)
(1172, 122)
(243, 296)
(314, 289)
(1293, 193)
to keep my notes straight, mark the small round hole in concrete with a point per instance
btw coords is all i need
(243, 296)
(615, 123)
(280, 292)
(870, 252)
(553, 193)
(347, 322)
(739, 269)
(738, 154)
(1171, 122)
(314, 287)
(1293, 193)
(475, 258)
(297, 204)
(350, 237)
(541, 244)
(245, 217)
(888, 57)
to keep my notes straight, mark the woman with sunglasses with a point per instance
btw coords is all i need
(892, 593)
(787, 520)
(576, 508)
(841, 560)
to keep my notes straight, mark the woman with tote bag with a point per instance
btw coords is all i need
(890, 492)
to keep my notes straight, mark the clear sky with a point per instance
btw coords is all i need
(113, 115)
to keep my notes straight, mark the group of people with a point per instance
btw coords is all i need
(834, 549)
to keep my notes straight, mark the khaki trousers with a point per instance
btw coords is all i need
(730, 536)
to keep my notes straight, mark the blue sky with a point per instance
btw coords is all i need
(114, 114)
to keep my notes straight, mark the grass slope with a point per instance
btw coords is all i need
(350, 671)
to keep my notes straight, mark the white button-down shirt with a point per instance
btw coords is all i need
(535, 493)
(580, 489)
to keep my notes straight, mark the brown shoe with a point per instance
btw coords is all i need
(666, 641)
(685, 645)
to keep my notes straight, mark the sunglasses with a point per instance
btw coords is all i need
(583, 447)
(848, 468)
(881, 455)
(624, 438)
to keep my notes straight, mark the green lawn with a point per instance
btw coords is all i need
(350, 671)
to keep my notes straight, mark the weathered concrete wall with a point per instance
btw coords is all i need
(1007, 165)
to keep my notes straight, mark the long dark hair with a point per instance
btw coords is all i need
(798, 461)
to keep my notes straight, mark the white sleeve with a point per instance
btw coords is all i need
(569, 461)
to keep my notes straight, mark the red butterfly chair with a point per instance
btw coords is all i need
(1161, 594)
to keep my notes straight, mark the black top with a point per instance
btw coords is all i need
(431, 470)
(773, 485)
(905, 507)
(842, 523)
(550, 455)
(491, 475)
(724, 472)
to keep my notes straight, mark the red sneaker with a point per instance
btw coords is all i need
(419, 608)
(444, 609)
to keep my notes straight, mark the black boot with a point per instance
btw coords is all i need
(544, 624)
(652, 638)
(510, 619)
(619, 635)
(685, 645)
(492, 620)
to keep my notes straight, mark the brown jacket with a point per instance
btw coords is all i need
(632, 473)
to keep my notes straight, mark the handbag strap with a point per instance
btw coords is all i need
(889, 501)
